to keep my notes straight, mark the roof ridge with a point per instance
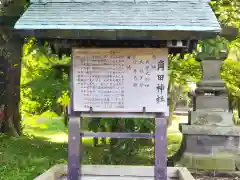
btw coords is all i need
(120, 1)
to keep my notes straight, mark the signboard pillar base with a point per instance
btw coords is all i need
(160, 140)
(74, 143)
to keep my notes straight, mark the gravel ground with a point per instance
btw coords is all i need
(216, 177)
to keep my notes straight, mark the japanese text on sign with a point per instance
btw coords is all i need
(120, 80)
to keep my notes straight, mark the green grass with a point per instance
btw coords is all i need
(24, 158)
(44, 144)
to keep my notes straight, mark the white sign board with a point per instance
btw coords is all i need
(120, 80)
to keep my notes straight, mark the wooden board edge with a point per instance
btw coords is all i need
(118, 51)
(53, 173)
(107, 170)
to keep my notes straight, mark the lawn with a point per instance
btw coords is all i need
(45, 144)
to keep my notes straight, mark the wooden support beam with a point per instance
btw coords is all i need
(118, 135)
(160, 141)
(74, 150)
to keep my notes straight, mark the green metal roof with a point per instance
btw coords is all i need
(159, 15)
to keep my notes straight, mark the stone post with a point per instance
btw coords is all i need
(211, 139)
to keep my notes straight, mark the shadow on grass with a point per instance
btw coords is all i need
(27, 157)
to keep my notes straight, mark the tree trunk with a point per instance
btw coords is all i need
(12, 53)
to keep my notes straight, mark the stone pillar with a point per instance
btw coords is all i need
(211, 139)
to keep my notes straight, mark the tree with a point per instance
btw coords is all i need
(44, 83)
(11, 52)
(228, 13)
(181, 71)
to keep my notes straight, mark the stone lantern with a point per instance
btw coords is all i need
(211, 139)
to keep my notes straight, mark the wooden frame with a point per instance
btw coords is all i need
(160, 136)
(75, 137)
(115, 171)
(151, 105)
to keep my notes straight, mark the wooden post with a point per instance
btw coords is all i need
(74, 143)
(160, 140)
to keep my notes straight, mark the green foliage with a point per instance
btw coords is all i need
(234, 53)
(231, 74)
(64, 98)
(183, 70)
(41, 87)
(228, 14)
(213, 48)
(227, 11)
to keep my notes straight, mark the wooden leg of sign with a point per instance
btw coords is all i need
(160, 140)
(74, 142)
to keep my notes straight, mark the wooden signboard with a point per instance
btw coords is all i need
(120, 80)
